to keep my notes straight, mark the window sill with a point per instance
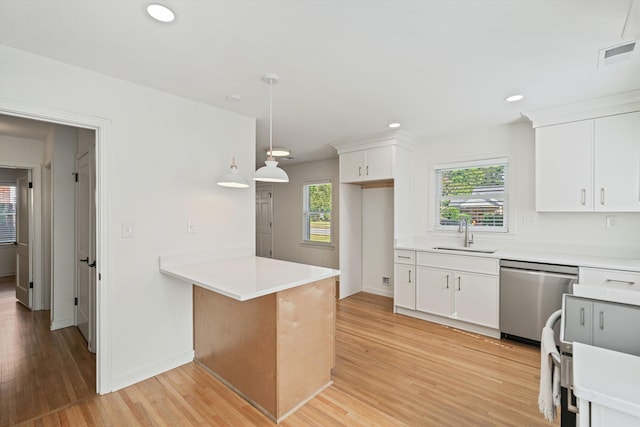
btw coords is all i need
(317, 245)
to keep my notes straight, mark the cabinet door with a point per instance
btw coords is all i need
(378, 163)
(564, 167)
(476, 299)
(352, 166)
(434, 291)
(577, 320)
(615, 327)
(404, 289)
(617, 163)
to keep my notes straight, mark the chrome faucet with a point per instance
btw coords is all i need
(468, 241)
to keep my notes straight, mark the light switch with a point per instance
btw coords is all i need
(191, 227)
(127, 230)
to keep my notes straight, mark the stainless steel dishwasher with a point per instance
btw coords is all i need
(529, 293)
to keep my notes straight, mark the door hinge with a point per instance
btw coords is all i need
(75, 301)
(30, 184)
(270, 224)
(99, 276)
(75, 176)
(270, 253)
(270, 195)
(30, 285)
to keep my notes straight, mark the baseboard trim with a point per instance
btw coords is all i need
(141, 374)
(452, 323)
(376, 291)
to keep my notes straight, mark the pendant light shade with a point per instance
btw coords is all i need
(233, 179)
(271, 172)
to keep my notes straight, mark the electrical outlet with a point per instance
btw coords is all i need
(385, 281)
(529, 219)
(611, 221)
(191, 227)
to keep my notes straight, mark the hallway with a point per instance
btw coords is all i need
(40, 371)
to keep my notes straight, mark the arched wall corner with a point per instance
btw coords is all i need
(101, 126)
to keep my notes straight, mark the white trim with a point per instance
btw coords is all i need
(103, 297)
(609, 105)
(376, 291)
(137, 375)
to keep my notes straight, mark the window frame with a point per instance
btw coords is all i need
(496, 161)
(305, 213)
(15, 186)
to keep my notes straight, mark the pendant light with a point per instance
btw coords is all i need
(233, 179)
(271, 172)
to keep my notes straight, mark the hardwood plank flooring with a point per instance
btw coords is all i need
(391, 370)
(40, 370)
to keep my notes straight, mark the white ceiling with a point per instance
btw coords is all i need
(347, 67)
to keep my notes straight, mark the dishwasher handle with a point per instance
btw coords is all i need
(540, 273)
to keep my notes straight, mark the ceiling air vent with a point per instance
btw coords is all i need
(616, 54)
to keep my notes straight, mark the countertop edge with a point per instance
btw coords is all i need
(588, 389)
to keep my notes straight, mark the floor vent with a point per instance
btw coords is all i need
(616, 54)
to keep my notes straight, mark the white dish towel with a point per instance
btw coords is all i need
(549, 396)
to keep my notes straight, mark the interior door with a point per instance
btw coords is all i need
(264, 221)
(23, 255)
(85, 248)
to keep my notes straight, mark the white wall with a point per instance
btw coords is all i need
(582, 231)
(164, 156)
(377, 240)
(287, 215)
(63, 165)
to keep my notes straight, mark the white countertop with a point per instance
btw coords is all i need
(531, 253)
(245, 277)
(608, 378)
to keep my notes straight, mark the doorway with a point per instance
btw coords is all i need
(264, 220)
(100, 127)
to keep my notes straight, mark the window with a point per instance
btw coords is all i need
(317, 201)
(7, 213)
(475, 191)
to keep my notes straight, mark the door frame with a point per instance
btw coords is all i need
(271, 192)
(101, 126)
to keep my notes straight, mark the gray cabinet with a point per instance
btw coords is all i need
(602, 324)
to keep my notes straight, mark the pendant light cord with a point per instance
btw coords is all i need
(270, 120)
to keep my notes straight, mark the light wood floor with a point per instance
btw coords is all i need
(391, 370)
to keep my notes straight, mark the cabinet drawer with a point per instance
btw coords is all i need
(459, 262)
(619, 279)
(405, 257)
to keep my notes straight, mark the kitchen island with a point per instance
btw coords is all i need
(264, 327)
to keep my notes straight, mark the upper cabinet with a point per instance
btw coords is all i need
(371, 164)
(589, 165)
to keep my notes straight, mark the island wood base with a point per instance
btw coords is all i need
(276, 351)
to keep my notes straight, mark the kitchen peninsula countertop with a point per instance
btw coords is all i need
(247, 277)
(532, 253)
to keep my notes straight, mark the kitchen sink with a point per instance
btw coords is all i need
(481, 251)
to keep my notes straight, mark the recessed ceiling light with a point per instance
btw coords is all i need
(394, 125)
(160, 13)
(514, 98)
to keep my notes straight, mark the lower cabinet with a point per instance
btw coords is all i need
(456, 290)
(405, 286)
(602, 324)
(465, 296)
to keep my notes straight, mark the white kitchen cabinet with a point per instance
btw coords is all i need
(617, 161)
(434, 292)
(370, 164)
(404, 288)
(602, 324)
(467, 290)
(615, 279)
(589, 165)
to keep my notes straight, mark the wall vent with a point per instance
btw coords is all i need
(619, 53)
